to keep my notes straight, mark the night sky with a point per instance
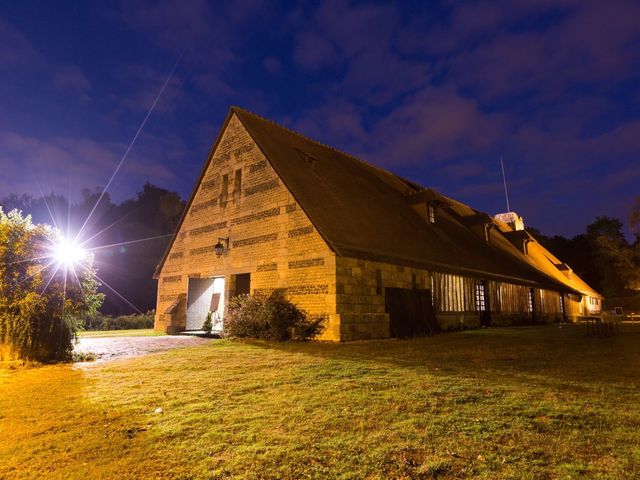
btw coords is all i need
(435, 92)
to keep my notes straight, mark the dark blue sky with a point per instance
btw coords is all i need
(435, 92)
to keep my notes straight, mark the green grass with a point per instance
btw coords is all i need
(521, 403)
(141, 332)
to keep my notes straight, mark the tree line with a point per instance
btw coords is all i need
(603, 257)
(131, 236)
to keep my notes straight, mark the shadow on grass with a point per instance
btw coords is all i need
(550, 354)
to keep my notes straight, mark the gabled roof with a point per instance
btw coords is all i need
(366, 212)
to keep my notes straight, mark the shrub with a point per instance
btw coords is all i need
(207, 326)
(40, 299)
(269, 318)
(134, 321)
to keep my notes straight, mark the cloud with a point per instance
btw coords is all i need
(141, 86)
(313, 51)
(71, 78)
(206, 37)
(357, 43)
(272, 65)
(336, 122)
(15, 49)
(589, 42)
(171, 24)
(56, 164)
(434, 125)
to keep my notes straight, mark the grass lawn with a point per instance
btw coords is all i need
(529, 402)
(140, 332)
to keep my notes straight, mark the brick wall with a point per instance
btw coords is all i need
(270, 237)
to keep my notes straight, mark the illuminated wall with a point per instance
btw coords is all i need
(270, 237)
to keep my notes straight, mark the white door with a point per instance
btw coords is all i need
(198, 302)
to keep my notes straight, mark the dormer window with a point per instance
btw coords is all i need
(431, 212)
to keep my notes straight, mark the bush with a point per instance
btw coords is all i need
(269, 318)
(207, 326)
(41, 300)
(122, 322)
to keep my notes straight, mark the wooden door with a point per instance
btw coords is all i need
(411, 312)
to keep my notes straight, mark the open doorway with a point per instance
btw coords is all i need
(205, 295)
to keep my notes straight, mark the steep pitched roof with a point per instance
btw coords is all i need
(364, 211)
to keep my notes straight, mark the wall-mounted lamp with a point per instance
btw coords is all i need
(220, 247)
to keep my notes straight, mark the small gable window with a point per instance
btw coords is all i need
(237, 182)
(431, 212)
(224, 190)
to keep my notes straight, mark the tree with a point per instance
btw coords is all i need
(634, 220)
(129, 237)
(41, 299)
(142, 229)
(602, 256)
(612, 256)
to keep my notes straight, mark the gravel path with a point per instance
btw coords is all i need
(112, 348)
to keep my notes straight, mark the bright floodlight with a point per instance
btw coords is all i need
(68, 253)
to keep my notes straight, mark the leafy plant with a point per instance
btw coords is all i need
(270, 318)
(40, 305)
(99, 321)
(207, 326)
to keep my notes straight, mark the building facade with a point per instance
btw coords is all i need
(376, 255)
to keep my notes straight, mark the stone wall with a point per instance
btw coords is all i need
(360, 299)
(241, 198)
(360, 303)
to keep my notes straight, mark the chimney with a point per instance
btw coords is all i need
(512, 219)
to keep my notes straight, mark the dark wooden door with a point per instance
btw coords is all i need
(243, 284)
(411, 312)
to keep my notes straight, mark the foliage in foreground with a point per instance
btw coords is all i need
(39, 303)
(269, 318)
(135, 321)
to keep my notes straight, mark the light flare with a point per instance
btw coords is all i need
(68, 253)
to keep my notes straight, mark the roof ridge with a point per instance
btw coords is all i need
(329, 147)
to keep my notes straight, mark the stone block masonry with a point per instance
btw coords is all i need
(270, 237)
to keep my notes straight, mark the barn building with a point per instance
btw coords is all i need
(377, 255)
